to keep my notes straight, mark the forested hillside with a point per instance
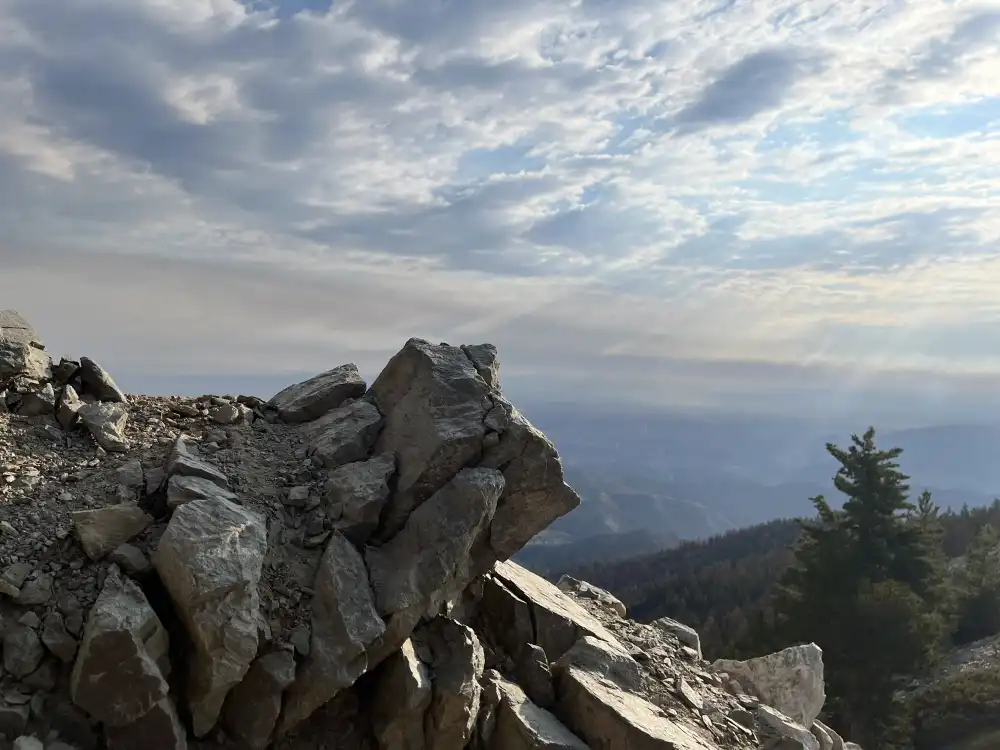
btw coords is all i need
(885, 582)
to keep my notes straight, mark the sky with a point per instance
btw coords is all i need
(735, 204)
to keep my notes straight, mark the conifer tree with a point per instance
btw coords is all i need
(864, 587)
(978, 589)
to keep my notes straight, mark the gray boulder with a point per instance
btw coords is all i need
(210, 559)
(103, 529)
(344, 435)
(106, 422)
(311, 399)
(184, 489)
(98, 383)
(356, 494)
(21, 352)
(183, 463)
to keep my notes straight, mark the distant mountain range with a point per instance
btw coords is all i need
(648, 480)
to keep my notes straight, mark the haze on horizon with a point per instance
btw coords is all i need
(775, 207)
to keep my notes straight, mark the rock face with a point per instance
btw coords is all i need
(790, 680)
(332, 569)
(210, 560)
(304, 402)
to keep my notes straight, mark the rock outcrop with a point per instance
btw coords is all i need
(329, 568)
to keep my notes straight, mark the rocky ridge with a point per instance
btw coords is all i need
(328, 569)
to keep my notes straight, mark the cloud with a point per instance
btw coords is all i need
(674, 201)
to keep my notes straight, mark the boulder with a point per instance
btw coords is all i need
(684, 633)
(604, 715)
(427, 561)
(435, 404)
(535, 676)
(106, 422)
(790, 680)
(21, 352)
(402, 696)
(121, 668)
(535, 492)
(344, 435)
(184, 489)
(356, 494)
(456, 661)
(183, 463)
(68, 410)
(252, 708)
(37, 402)
(102, 530)
(520, 724)
(585, 590)
(600, 658)
(787, 728)
(345, 624)
(22, 651)
(210, 559)
(159, 729)
(559, 621)
(311, 399)
(98, 383)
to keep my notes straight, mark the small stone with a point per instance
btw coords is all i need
(101, 531)
(300, 639)
(297, 497)
(22, 651)
(57, 639)
(131, 559)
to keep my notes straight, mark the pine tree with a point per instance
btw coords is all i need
(978, 589)
(864, 587)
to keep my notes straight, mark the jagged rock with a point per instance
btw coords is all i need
(790, 680)
(606, 716)
(22, 651)
(252, 708)
(311, 399)
(535, 676)
(210, 559)
(159, 729)
(586, 590)
(12, 579)
(97, 382)
(106, 422)
(103, 529)
(559, 621)
(345, 624)
(65, 371)
(38, 402)
(601, 658)
(36, 591)
(226, 414)
(484, 359)
(504, 618)
(828, 739)
(181, 462)
(520, 724)
(535, 493)
(184, 489)
(456, 662)
(684, 633)
(787, 728)
(121, 668)
(68, 410)
(57, 639)
(401, 698)
(21, 352)
(344, 435)
(356, 494)
(130, 559)
(435, 403)
(428, 558)
(131, 480)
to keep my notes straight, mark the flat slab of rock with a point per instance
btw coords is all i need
(311, 399)
(182, 462)
(601, 658)
(559, 621)
(345, 624)
(119, 674)
(99, 383)
(604, 715)
(210, 559)
(522, 725)
(184, 489)
(428, 559)
(344, 435)
(102, 530)
(790, 680)
(106, 422)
